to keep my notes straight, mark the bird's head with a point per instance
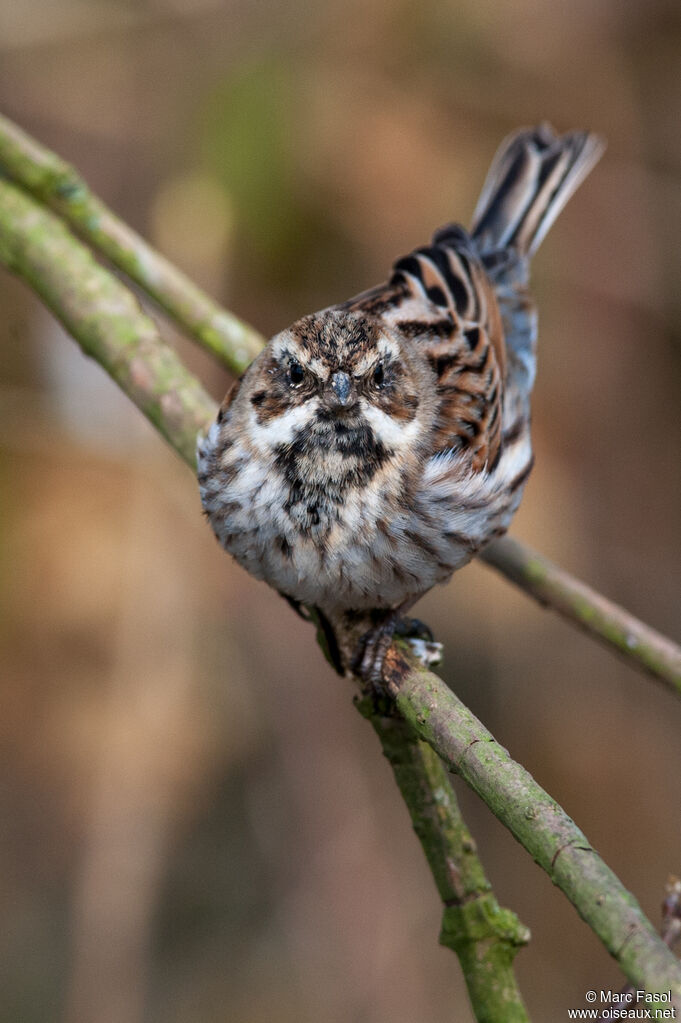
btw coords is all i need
(340, 380)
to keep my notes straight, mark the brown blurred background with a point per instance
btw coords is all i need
(195, 825)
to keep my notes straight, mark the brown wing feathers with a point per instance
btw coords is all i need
(468, 357)
(440, 296)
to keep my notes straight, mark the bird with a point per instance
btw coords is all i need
(374, 447)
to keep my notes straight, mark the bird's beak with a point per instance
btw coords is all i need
(342, 388)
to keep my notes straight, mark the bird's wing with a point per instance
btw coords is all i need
(440, 298)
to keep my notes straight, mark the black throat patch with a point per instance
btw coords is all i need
(324, 464)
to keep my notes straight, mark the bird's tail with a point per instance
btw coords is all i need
(532, 176)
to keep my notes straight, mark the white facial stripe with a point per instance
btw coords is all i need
(387, 430)
(286, 344)
(318, 367)
(281, 343)
(282, 429)
(364, 365)
(384, 350)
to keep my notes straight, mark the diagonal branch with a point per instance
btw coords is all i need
(670, 932)
(597, 615)
(110, 326)
(104, 317)
(55, 183)
(554, 841)
(59, 186)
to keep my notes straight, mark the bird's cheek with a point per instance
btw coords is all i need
(281, 429)
(389, 431)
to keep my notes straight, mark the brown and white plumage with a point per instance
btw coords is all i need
(374, 447)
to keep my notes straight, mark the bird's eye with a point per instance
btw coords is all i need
(296, 372)
(379, 375)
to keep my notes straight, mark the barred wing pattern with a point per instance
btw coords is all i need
(440, 297)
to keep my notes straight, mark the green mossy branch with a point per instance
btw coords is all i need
(535, 819)
(57, 185)
(577, 602)
(104, 317)
(485, 937)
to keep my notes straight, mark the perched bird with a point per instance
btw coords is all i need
(374, 447)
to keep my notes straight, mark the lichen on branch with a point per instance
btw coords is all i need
(552, 587)
(485, 937)
(535, 819)
(57, 185)
(104, 317)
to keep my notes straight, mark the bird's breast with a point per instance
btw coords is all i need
(339, 525)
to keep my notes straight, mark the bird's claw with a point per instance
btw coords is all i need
(375, 644)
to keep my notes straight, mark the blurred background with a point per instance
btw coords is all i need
(195, 824)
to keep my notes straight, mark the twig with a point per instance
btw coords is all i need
(58, 186)
(577, 602)
(54, 182)
(671, 912)
(485, 937)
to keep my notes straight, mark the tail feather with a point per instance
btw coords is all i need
(531, 178)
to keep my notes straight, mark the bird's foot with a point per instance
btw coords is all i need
(371, 654)
(368, 664)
